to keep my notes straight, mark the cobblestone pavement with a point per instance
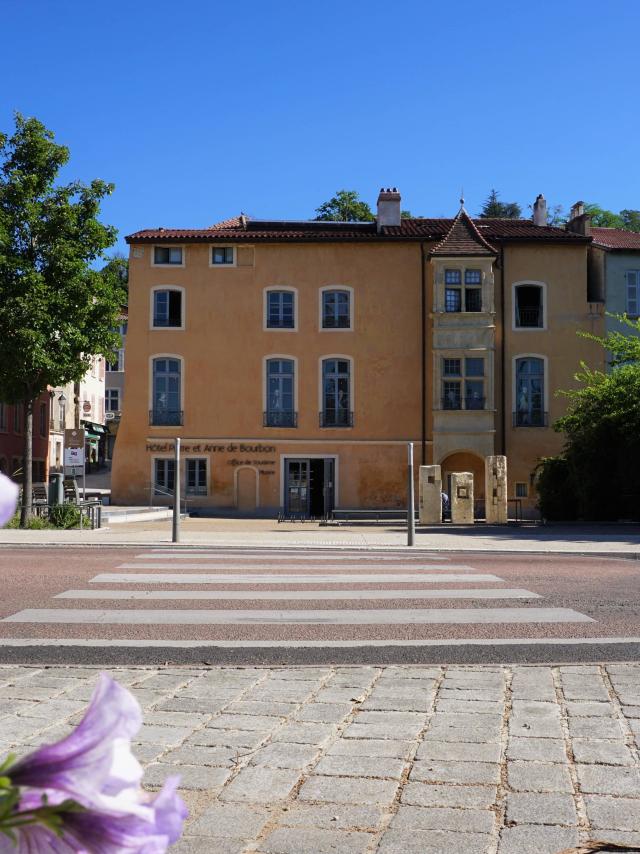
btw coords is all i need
(371, 759)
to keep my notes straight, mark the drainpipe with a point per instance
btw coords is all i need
(503, 348)
(423, 359)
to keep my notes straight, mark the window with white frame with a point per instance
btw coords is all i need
(222, 255)
(167, 255)
(633, 292)
(280, 310)
(164, 476)
(196, 475)
(112, 399)
(336, 393)
(167, 308)
(529, 388)
(462, 292)
(280, 394)
(336, 309)
(528, 307)
(118, 363)
(463, 383)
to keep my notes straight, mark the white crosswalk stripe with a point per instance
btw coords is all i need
(270, 582)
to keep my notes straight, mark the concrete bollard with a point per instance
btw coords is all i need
(496, 490)
(462, 498)
(430, 500)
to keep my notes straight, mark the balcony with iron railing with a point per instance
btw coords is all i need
(166, 417)
(456, 403)
(280, 418)
(336, 418)
(529, 317)
(531, 418)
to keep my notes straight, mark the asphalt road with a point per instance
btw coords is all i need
(252, 606)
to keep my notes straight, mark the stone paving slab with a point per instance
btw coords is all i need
(371, 760)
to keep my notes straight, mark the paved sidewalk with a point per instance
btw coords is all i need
(395, 760)
(614, 540)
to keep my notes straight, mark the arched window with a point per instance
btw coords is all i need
(280, 380)
(336, 309)
(529, 306)
(166, 392)
(529, 390)
(336, 393)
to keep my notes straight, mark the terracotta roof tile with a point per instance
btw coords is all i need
(488, 230)
(463, 238)
(615, 238)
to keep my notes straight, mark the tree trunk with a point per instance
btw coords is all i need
(27, 465)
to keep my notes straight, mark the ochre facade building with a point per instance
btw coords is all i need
(296, 359)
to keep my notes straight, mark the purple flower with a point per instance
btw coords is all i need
(8, 499)
(95, 768)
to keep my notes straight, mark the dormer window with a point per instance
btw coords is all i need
(459, 296)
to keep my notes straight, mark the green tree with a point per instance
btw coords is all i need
(493, 208)
(630, 219)
(602, 218)
(116, 271)
(345, 206)
(55, 310)
(597, 477)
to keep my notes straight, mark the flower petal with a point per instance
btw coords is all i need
(95, 759)
(8, 499)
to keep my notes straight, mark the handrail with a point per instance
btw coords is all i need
(154, 489)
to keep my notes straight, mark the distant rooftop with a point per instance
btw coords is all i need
(615, 238)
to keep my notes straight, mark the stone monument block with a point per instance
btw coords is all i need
(496, 490)
(462, 498)
(430, 490)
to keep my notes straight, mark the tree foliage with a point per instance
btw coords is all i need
(55, 310)
(345, 206)
(493, 208)
(597, 477)
(602, 218)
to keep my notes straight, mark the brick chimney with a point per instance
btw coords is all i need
(540, 210)
(579, 221)
(388, 207)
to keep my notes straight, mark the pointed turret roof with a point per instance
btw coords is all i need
(463, 238)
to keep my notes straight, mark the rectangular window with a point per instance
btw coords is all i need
(3, 417)
(43, 419)
(196, 470)
(633, 292)
(451, 367)
(222, 255)
(167, 308)
(167, 255)
(166, 393)
(112, 399)
(118, 363)
(280, 310)
(522, 490)
(18, 418)
(529, 402)
(336, 394)
(164, 476)
(459, 297)
(467, 392)
(280, 379)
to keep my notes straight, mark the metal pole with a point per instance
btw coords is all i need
(411, 513)
(175, 534)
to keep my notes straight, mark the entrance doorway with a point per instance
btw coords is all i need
(309, 486)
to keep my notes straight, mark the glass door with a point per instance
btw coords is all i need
(297, 487)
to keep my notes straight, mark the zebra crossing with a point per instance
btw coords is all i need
(322, 598)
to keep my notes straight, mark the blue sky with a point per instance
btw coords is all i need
(200, 109)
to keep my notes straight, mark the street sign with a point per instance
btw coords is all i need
(73, 456)
(73, 438)
(86, 407)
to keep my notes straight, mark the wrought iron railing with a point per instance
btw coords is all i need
(166, 417)
(531, 418)
(529, 317)
(336, 418)
(280, 418)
